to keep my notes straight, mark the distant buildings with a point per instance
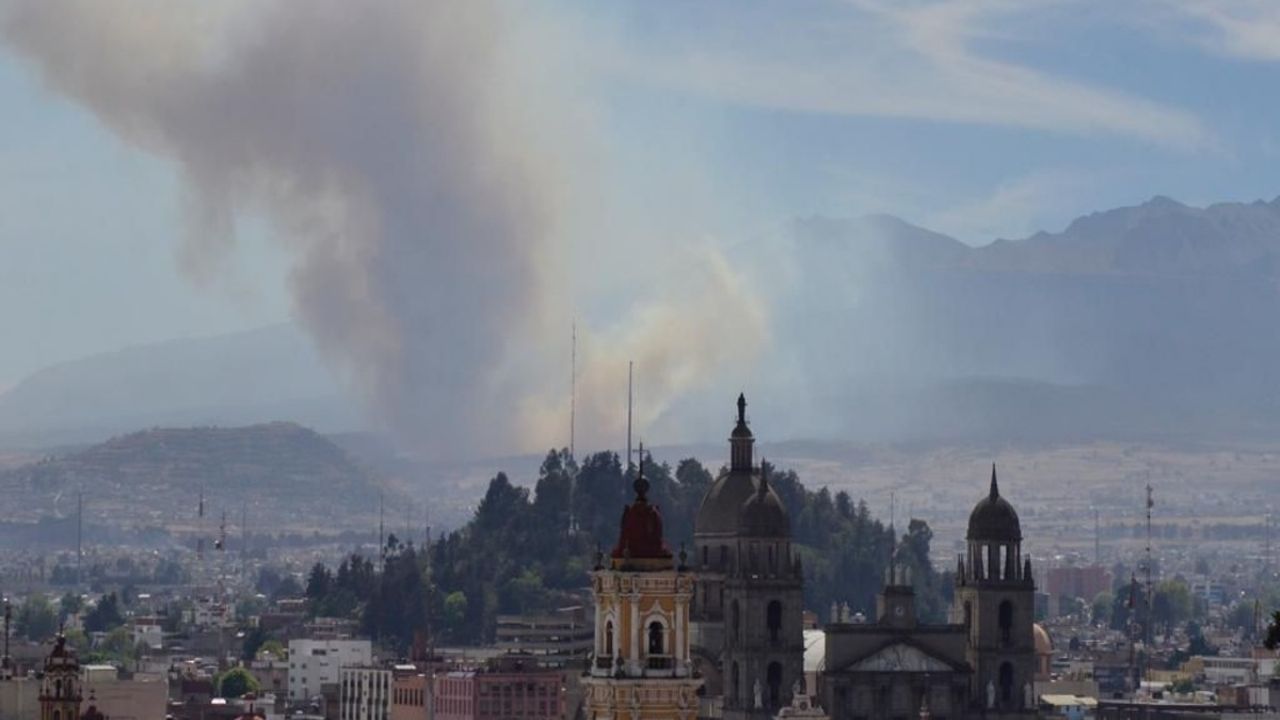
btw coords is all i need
(1085, 582)
(505, 689)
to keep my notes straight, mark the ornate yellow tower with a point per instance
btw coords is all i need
(60, 688)
(641, 667)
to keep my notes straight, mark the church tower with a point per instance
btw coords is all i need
(642, 667)
(60, 687)
(995, 599)
(749, 603)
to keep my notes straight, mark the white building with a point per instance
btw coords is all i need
(365, 694)
(313, 663)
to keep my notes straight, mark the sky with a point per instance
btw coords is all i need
(701, 125)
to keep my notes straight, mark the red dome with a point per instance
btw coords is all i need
(641, 534)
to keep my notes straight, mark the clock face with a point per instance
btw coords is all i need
(899, 611)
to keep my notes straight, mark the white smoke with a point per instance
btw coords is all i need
(421, 162)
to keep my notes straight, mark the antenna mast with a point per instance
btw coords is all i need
(573, 389)
(630, 368)
(1097, 542)
(79, 550)
(382, 540)
(1151, 502)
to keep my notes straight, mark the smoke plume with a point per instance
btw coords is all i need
(420, 161)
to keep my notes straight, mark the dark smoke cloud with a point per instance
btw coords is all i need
(412, 156)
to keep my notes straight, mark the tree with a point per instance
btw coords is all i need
(455, 609)
(118, 646)
(105, 615)
(1171, 604)
(69, 605)
(36, 619)
(236, 682)
(1102, 603)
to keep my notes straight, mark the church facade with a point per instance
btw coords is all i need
(980, 664)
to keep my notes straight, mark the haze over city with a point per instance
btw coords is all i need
(330, 321)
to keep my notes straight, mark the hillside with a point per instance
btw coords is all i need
(284, 472)
(268, 374)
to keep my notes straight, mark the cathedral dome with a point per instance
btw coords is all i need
(763, 515)
(722, 504)
(993, 519)
(640, 537)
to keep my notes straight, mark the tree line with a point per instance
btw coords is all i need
(530, 550)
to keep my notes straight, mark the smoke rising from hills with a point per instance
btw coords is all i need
(420, 161)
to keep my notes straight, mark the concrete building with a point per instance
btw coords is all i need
(315, 663)
(556, 639)
(364, 694)
(137, 697)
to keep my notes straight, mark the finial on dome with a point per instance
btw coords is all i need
(641, 484)
(742, 407)
(995, 489)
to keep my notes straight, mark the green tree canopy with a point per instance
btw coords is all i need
(236, 682)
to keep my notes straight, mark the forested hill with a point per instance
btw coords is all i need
(281, 470)
(528, 551)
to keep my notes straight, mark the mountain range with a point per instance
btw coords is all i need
(1158, 319)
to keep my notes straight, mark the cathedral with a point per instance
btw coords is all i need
(980, 664)
(721, 634)
(748, 609)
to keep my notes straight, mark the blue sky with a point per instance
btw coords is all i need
(978, 119)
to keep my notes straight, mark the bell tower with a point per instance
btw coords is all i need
(995, 599)
(60, 687)
(642, 667)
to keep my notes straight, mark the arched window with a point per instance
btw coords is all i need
(734, 684)
(1006, 622)
(968, 614)
(608, 639)
(1006, 683)
(57, 688)
(655, 638)
(773, 620)
(774, 677)
(734, 621)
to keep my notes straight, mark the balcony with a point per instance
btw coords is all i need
(660, 662)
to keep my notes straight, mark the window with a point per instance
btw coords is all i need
(655, 638)
(1006, 622)
(724, 556)
(774, 677)
(705, 550)
(734, 621)
(773, 620)
(608, 639)
(1006, 683)
(734, 683)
